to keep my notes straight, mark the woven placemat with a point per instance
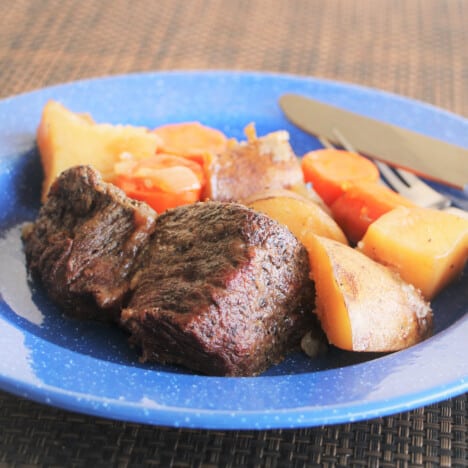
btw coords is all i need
(415, 48)
(30, 433)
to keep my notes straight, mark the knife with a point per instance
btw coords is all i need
(426, 156)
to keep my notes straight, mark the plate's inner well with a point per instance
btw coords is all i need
(30, 308)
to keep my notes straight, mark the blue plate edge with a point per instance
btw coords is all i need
(227, 72)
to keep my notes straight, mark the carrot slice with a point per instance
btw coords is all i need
(163, 181)
(191, 140)
(361, 204)
(330, 171)
(158, 200)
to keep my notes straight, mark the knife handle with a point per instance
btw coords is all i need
(457, 211)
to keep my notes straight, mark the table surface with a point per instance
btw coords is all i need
(414, 48)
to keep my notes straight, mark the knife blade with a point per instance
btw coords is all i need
(426, 156)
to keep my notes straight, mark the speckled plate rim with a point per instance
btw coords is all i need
(42, 371)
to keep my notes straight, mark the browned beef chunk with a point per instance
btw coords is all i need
(214, 286)
(222, 290)
(84, 243)
(255, 166)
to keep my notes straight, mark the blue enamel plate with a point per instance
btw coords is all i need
(89, 368)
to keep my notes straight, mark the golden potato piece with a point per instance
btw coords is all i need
(249, 167)
(66, 139)
(362, 305)
(300, 215)
(429, 248)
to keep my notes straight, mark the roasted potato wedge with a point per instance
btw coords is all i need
(362, 305)
(301, 215)
(249, 167)
(66, 139)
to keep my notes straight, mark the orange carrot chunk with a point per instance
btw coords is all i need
(191, 140)
(163, 181)
(330, 171)
(361, 204)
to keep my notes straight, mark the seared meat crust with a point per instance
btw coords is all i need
(84, 243)
(215, 287)
(223, 290)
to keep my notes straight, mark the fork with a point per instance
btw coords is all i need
(405, 183)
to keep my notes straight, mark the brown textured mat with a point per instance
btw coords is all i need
(416, 48)
(33, 434)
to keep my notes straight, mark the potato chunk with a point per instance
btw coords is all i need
(300, 215)
(362, 305)
(249, 167)
(428, 248)
(66, 139)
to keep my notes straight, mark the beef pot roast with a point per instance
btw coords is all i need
(222, 290)
(214, 286)
(84, 243)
